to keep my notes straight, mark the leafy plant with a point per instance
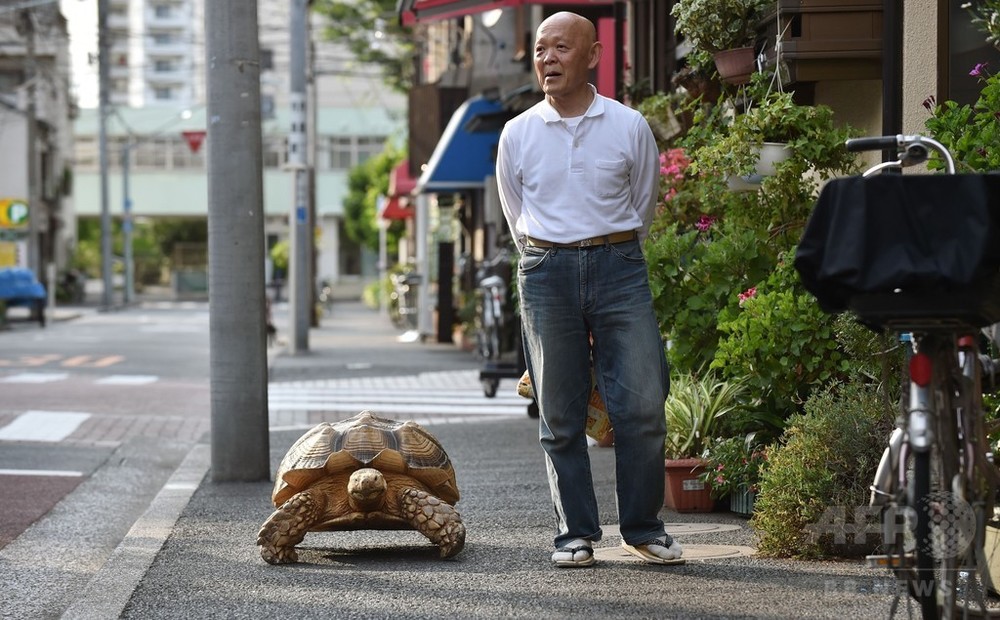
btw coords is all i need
(373, 33)
(716, 25)
(971, 133)
(986, 16)
(826, 459)
(734, 464)
(779, 339)
(694, 409)
(694, 275)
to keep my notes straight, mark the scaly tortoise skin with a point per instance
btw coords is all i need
(363, 473)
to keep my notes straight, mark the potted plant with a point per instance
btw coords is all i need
(773, 128)
(733, 469)
(724, 29)
(693, 411)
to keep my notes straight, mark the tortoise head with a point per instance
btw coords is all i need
(366, 489)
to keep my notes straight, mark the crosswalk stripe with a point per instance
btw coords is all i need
(35, 377)
(55, 473)
(445, 393)
(43, 426)
(127, 380)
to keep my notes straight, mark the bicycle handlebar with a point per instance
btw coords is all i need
(910, 150)
(878, 143)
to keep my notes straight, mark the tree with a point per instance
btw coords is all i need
(371, 30)
(365, 183)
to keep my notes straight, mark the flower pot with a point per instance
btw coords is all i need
(684, 491)
(736, 65)
(771, 154)
(741, 502)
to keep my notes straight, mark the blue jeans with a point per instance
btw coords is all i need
(567, 295)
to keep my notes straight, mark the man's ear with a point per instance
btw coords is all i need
(595, 54)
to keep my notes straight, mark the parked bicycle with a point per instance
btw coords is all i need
(919, 254)
(492, 282)
(403, 299)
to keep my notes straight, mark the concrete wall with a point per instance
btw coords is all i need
(920, 54)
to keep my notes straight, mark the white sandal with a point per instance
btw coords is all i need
(662, 550)
(574, 554)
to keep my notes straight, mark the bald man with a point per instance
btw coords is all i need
(578, 180)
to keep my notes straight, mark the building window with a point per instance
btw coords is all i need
(275, 148)
(266, 59)
(162, 93)
(341, 153)
(162, 10)
(151, 153)
(966, 47)
(163, 66)
(368, 147)
(267, 106)
(10, 80)
(85, 152)
(183, 157)
(163, 38)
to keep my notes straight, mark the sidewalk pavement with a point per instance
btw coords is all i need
(193, 554)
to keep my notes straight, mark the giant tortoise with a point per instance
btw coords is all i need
(366, 472)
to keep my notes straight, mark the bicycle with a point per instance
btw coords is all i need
(492, 303)
(881, 246)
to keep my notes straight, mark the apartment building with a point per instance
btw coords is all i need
(37, 222)
(157, 92)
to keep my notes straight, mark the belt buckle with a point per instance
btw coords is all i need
(586, 243)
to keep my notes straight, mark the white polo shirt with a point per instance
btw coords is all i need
(563, 184)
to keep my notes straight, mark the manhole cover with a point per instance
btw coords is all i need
(691, 553)
(680, 529)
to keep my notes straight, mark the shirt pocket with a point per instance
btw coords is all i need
(611, 177)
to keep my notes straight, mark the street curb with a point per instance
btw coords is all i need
(111, 588)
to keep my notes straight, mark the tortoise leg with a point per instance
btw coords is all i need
(287, 526)
(435, 519)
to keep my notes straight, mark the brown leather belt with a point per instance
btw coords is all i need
(619, 237)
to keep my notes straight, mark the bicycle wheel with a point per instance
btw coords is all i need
(945, 486)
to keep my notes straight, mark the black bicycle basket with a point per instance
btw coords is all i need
(906, 251)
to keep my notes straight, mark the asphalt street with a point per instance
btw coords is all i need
(191, 552)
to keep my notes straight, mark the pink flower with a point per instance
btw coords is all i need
(979, 69)
(719, 480)
(747, 294)
(673, 163)
(705, 222)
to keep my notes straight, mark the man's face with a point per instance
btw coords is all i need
(563, 56)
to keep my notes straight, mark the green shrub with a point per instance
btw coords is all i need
(827, 457)
(696, 274)
(779, 339)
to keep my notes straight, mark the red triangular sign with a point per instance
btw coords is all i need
(194, 139)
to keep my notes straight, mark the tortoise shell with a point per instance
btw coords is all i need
(366, 440)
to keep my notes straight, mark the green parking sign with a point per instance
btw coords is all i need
(13, 213)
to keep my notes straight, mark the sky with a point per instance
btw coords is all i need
(81, 18)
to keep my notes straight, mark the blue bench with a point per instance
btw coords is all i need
(19, 287)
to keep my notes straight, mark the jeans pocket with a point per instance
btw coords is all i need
(532, 258)
(630, 252)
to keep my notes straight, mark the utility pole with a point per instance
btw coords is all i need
(299, 225)
(129, 294)
(26, 26)
(104, 78)
(238, 353)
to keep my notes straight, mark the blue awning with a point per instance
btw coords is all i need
(466, 153)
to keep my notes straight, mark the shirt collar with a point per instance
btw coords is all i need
(550, 115)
